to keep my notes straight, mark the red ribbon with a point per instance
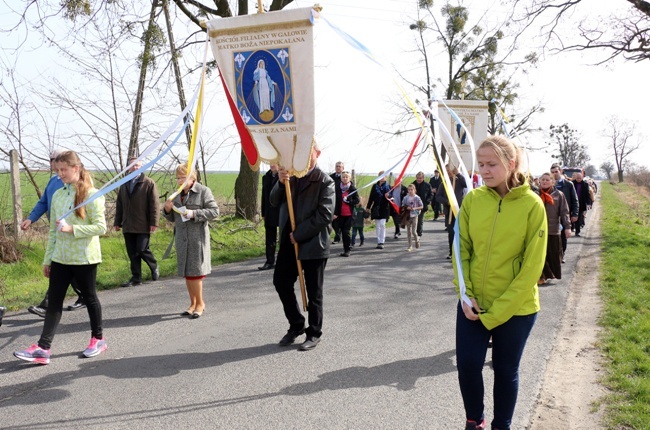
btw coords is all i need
(398, 181)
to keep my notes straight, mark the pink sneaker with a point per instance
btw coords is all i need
(95, 347)
(34, 354)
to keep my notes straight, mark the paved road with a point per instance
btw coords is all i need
(387, 358)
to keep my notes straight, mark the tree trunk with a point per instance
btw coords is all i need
(246, 187)
(620, 176)
(177, 70)
(137, 111)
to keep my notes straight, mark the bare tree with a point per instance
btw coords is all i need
(607, 167)
(481, 64)
(620, 134)
(24, 127)
(625, 33)
(567, 147)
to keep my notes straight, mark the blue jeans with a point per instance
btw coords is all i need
(356, 230)
(508, 342)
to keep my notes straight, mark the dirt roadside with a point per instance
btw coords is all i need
(570, 388)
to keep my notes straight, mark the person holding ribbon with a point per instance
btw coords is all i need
(73, 253)
(502, 245)
(191, 210)
(43, 207)
(346, 199)
(378, 206)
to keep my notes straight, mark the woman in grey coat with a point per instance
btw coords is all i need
(191, 211)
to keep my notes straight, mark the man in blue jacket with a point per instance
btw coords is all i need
(42, 207)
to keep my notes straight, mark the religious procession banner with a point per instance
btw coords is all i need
(474, 115)
(267, 63)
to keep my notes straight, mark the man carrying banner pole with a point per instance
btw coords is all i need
(311, 199)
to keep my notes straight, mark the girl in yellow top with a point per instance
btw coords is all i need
(502, 249)
(73, 253)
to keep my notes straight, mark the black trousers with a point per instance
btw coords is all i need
(271, 243)
(61, 275)
(397, 220)
(581, 221)
(137, 247)
(337, 230)
(437, 208)
(420, 222)
(284, 279)
(45, 302)
(345, 224)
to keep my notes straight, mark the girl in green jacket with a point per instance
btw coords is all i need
(502, 251)
(73, 252)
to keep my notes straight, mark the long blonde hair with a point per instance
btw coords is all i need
(83, 185)
(507, 150)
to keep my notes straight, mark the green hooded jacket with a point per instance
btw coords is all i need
(502, 250)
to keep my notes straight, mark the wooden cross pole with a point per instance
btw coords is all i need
(292, 218)
(260, 6)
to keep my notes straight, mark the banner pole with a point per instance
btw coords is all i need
(292, 218)
(260, 6)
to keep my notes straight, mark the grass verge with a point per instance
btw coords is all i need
(625, 288)
(22, 283)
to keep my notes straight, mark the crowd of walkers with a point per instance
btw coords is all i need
(501, 198)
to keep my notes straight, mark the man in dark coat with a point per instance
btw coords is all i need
(422, 189)
(459, 185)
(313, 200)
(336, 176)
(584, 201)
(570, 195)
(271, 215)
(137, 210)
(435, 182)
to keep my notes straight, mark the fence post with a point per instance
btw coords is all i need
(15, 192)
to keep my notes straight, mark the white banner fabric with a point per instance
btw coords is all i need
(267, 61)
(474, 114)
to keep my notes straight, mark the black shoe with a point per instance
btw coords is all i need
(266, 266)
(563, 260)
(578, 235)
(155, 274)
(37, 310)
(131, 283)
(2, 313)
(396, 237)
(345, 254)
(76, 306)
(380, 246)
(334, 242)
(449, 257)
(290, 337)
(310, 343)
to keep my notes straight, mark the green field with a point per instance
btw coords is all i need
(221, 184)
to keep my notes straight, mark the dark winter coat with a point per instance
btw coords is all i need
(270, 213)
(313, 200)
(377, 203)
(137, 211)
(423, 189)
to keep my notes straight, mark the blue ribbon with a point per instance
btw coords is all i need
(105, 190)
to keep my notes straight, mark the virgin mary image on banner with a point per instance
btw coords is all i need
(262, 83)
